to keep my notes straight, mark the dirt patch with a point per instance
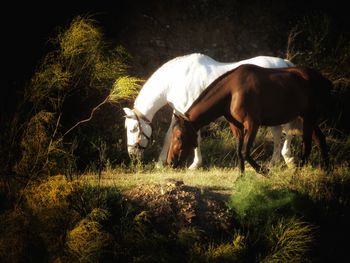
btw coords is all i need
(172, 206)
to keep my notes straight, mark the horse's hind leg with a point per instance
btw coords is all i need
(249, 137)
(320, 140)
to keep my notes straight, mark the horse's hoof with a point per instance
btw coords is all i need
(289, 162)
(160, 165)
(194, 167)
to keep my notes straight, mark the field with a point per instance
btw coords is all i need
(143, 214)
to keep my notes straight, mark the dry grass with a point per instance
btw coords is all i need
(217, 179)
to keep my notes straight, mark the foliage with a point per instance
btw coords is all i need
(308, 45)
(315, 42)
(48, 204)
(225, 252)
(80, 73)
(36, 146)
(256, 200)
(82, 37)
(71, 214)
(87, 240)
(48, 194)
(290, 240)
(124, 88)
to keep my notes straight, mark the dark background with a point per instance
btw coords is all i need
(155, 31)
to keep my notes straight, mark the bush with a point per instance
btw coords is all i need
(289, 240)
(81, 77)
(50, 211)
(87, 241)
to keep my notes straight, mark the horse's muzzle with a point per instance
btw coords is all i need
(176, 162)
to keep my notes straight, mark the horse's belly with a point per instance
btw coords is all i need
(277, 119)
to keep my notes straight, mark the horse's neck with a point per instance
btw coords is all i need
(200, 118)
(210, 105)
(150, 99)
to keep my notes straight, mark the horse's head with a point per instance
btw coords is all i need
(183, 141)
(138, 132)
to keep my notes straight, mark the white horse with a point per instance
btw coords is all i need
(179, 82)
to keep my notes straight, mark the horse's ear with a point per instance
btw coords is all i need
(129, 113)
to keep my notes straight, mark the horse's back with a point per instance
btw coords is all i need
(267, 62)
(319, 84)
(280, 93)
(314, 77)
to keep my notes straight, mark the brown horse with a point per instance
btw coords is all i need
(250, 96)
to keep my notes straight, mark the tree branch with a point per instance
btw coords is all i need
(86, 120)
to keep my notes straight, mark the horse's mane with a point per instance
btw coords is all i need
(180, 58)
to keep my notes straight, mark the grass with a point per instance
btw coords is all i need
(144, 214)
(216, 179)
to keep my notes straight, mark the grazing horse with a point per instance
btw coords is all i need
(250, 96)
(178, 83)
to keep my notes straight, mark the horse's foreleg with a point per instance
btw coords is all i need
(197, 160)
(320, 140)
(249, 137)
(306, 144)
(238, 133)
(164, 152)
(277, 137)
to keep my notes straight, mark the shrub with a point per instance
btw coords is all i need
(87, 241)
(233, 251)
(289, 240)
(50, 211)
(72, 84)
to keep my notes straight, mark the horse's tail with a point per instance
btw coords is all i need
(323, 87)
(289, 63)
